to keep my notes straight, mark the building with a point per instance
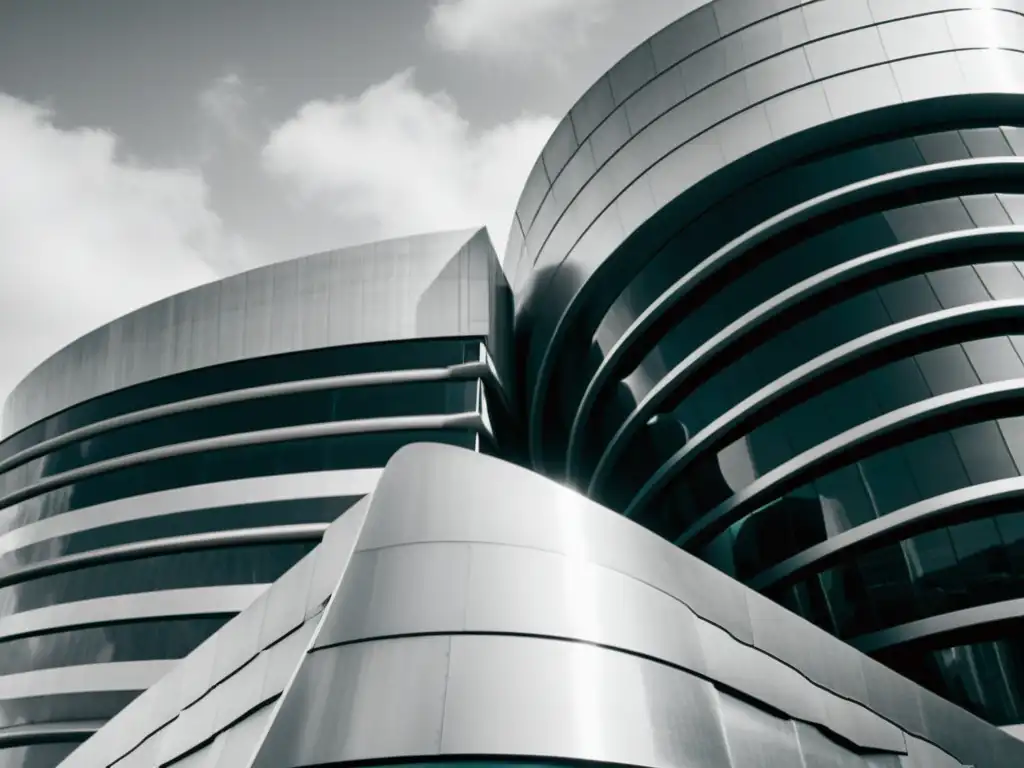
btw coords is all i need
(162, 470)
(444, 620)
(769, 306)
(766, 305)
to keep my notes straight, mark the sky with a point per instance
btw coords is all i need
(147, 146)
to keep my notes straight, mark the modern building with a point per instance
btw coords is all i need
(769, 305)
(445, 620)
(766, 305)
(161, 471)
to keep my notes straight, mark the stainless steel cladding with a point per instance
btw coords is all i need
(166, 468)
(444, 619)
(769, 305)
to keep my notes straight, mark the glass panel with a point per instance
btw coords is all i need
(243, 374)
(261, 564)
(168, 639)
(985, 677)
(315, 454)
(193, 521)
(75, 706)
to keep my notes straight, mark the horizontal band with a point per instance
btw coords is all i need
(85, 678)
(278, 534)
(572, 280)
(830, 202)
(469, 420)
(824, 371)
(452, 373)
(336, 483)
(945, 509)
(685, 289)
(48, 733)
(848, 446)
(142, 606)
(934, 628)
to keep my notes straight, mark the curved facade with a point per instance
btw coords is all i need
(769, 305)
(444, 621)
(160, 472)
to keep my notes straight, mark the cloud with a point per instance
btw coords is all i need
(406, 161)
(223, 102)
(86, 235)
(502, 28)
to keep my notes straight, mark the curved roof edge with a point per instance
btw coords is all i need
(303, 303)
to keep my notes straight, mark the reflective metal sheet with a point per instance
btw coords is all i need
(526, 591)
(97, 363)
(195, 674)
(384, 698)
(852, 92)
(283, 659)
(749, 671)
(237, 745)
(756, 739)
(921, 754)
(239, 639)
(399, 591)
(417, 506)
(332, 556)
(209, 496)
(286, 601)
(171, 602)
(89, 678)
(516, 695)
(529, 696)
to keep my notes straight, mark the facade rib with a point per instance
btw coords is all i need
(161, 471)
(768, 305)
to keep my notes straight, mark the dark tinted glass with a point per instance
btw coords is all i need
(838, 408)
(699, 233)
(947, 569)
(340, 452)
(196, 521)
(854, 494)
(759, 359)
(986, 677)
(73, 706)
(169, 639)
(261, 564)
(314, 364)
(35, 755)
(415, 399)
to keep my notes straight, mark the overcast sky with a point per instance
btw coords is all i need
(150, 145)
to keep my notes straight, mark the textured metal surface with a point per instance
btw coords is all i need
(690, 111)
(359, 295)
(262, 437)
(767, 304)
(90, 679)
(838, 364)
(20, 735)
(200, 601)
(455, 372)
(457, 620)
(165, 468)
(876, 268)
(208, 496)
(767, 282)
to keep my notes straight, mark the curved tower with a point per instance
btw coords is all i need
(768, 305)
(159, 472)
